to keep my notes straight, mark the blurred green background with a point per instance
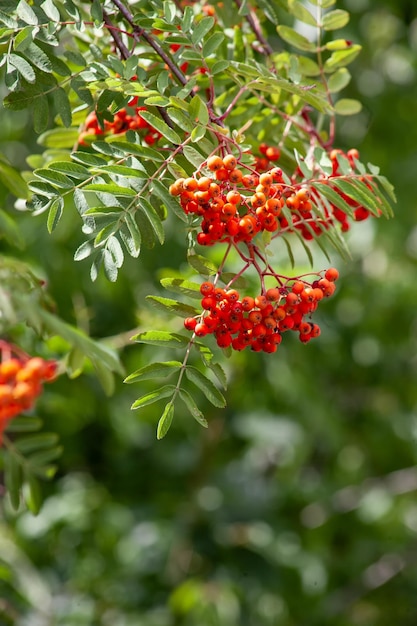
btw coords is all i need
(298, 506)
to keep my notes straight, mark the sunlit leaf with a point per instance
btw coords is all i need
(165, 420)
(206, 386)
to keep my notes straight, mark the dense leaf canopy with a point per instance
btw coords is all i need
(297, 503)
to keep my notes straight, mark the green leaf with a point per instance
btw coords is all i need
(73, 170)
(341, 58)
(187, 19)
(83, 251)
(295, 39)
(152, 217)
(198, 133)
(24, 425)
(335, 19)
(55, 178)
(192, 407)
(165, 421)
(180, 285)
(41, 114)
(358, 191)
(219, 373)
(138, 150)
(212, 44)
(36, 442)
(93, 350)
(161, 191)
(269, 9)
(206, 386)
(334, 197)
(23, 67)
(9, 230)
(32, 493)
(112, 188)
(38, 58)
(159, 125)
(46, 456)
(105, 377)
(219, 66)
(24, 38)
(130, 235)
(193, 156)
(153, 396)
(26, 13)
(55, 213)
(300, 12)
(198, 110)
(50, 10)
(338, 44)
(12, 179)
(161, 338)
(13, 478)
(201, 30)
(62, 105)
(60, 138)
(97, 11)
(8, 21)
(173, 306)
(348, 106)
(80, 202)
(203, 266)
(85, 158)
(115, 249)
(159, 369)
(339, 80)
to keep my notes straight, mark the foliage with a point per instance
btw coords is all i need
(248, 95)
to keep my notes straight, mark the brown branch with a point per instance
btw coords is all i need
(140, 33)
(254, 24)
(124, 51)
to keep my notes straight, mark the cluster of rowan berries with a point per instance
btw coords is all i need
(122, 122)
(269, 154)
(301, 212)
(236, 206)
(21, 379)
(260, 322)
(233, 205)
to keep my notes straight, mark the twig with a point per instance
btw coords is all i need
(254, 24)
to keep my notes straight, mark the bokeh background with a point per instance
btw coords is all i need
(298, 506)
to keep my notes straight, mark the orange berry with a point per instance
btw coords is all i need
(177, 187)
(9, 369)
(234, 197)
(272, 295)
(272, 153)
(297, 287)
(332, 274)
(258, 199)
(204, 183)
(222, 174)
(228, 211)
(249, 180)
(206, 288)
(255, 317)
(214, 163)
(261, 302)
(6, 395)
(274, 206)
(229, 162)
(190, 184)
(235, 176)
(248, 303)
(266, 179)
